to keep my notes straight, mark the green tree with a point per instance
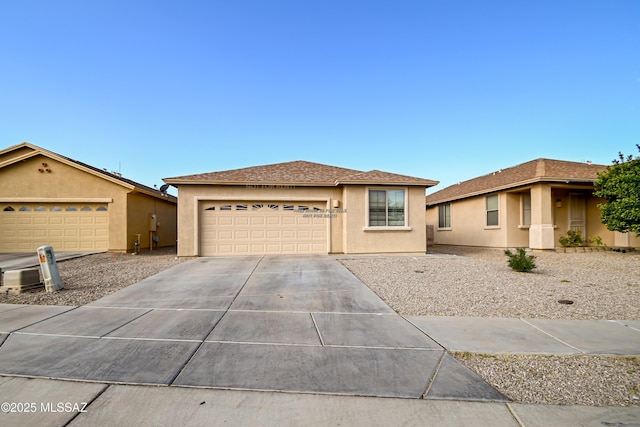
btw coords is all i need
(619, 185)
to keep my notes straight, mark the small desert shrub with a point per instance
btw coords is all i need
(520, 261)
(572, 239)
(596, 240)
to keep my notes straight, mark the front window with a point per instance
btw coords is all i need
(444, 216)
(492, 211)
(386, 208)
(526, 209)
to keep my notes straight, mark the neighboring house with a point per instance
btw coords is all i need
(529, 205)
(299, 207)
(49, 199)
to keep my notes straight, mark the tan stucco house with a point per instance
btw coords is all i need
(50, 199)
(529, 205)
(300, 207)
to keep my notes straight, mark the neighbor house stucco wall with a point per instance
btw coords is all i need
(139, 208)
(517, 231)
(23, 180)
(60, 182)
(549, 217)
(468, 223)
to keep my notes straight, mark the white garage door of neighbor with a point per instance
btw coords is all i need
(66, 227)
(243, 228)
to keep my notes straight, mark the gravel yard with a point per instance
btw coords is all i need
(478, 283)
(454, 282)
(91, 277)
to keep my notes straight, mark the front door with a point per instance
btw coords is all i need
(577, 213)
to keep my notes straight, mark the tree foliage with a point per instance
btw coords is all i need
(619, 185)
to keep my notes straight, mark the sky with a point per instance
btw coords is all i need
(443, 90)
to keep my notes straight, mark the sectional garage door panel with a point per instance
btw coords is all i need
(249, 228)
(25, 227)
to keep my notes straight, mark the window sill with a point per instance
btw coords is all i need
(444, 229)
(387, 228)
(525, 227)
(492, 227)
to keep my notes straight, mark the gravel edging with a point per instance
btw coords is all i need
(560, 380)
(478, 283)
(474, 282)
(92, 277)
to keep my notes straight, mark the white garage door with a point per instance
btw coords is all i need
(243, 228)
(66, 227)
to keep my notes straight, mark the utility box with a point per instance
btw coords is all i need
(49, 268)
(153, 222)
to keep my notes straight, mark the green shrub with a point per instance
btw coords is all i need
(596, 240)
(520, 261)
(572, 239)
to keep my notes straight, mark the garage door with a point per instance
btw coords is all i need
(66, 227)
(248, 228)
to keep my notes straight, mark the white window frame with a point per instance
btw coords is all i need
(486, 211)
(523, 210)
(446, 206)
(404, 227)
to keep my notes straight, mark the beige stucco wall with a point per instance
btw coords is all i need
(139, 208)
(64, 182)
(358, 239)
(594, 226)
(468, 220)
(346, 234)
(190, 195)
(468, 224)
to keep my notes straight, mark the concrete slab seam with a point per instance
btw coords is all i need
(514, 415)
(627, 326)
(423, 332)
(315, 325)
(125, 324)
(271, 344)
(197, 349)
(555, 338)
(300, 293)
(77, 414)
(433, 376)
(47, 318)
(148, 339)
(156, 308)
(373, 347)
(57, 335)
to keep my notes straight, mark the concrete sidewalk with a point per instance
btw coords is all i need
(275, 341)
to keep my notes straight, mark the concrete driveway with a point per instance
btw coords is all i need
(276, 323)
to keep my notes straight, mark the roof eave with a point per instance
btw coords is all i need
(179, 181)
(398, 183)
(512, 186)
(38, 151)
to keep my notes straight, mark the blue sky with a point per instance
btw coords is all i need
(445, 90)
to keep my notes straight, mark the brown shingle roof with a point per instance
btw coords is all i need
(299, 172)
(526, 173)
(387, 178)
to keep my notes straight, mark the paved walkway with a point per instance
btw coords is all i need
(217, 333)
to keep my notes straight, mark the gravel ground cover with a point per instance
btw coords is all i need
(453, 282)
(478, 283)
(92, 277)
